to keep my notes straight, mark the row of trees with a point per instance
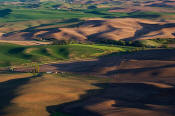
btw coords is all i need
(137, 43)
(165, 40)
(66, 42)
(106, 41)
(121, 42)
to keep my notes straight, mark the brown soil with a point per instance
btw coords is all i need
(26, 95)
(97, 29)
(141, 8)
(25, 42)
(171, 45)
(142, 83)
(149, 61)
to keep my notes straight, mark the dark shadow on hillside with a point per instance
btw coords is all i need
(124, 95)
(173, 34)
(141, 15)
(136, 71)
(19, 52)
(163, 5)
(30, 32)
(5, 12)
(8, 91)
(96, 13)
(95, 23)
(96, 36)
(72, 20)
(115, 59)
(147, 28)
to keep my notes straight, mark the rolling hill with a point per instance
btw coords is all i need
(87, 57)
(97, 29)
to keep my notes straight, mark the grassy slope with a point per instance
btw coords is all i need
(21, 18)
(23, 14)
(14, 54)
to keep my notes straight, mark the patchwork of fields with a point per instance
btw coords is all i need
(87, 57)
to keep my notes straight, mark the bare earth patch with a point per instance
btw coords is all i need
(32, 98)
(25, 42)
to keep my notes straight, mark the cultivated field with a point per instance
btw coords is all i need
(21, 97)
(99, 29)
(87, 57)
(122, 86)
